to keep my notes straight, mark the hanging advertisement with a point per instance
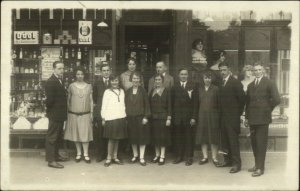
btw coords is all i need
(50, 55)
(26, 37)
(85, 32)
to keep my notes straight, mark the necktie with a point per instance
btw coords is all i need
(224, 81)
(182, 85)
(106, 82)
(256, 82)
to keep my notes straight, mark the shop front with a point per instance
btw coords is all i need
(91, 37)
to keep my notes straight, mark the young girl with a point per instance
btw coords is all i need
(113, 119)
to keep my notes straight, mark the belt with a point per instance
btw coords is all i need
(79, 113)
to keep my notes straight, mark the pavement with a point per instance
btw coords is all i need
(31, 172)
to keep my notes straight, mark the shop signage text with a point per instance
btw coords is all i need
(85, 32)
(26, 37)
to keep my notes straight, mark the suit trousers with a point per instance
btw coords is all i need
(230, 141)
(99, 141)
(53, 139)
(184, 136)
(259, 142)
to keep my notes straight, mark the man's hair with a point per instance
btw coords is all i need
(57, 62)
(131, 59)
(182, 68)
(104, 65)
(223, 64)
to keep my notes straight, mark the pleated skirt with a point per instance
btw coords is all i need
(115, 129)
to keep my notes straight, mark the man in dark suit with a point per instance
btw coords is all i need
(56, 103)
(161, 68)
(98, 90)
(184, 115)
(262, 98)
(231, 105)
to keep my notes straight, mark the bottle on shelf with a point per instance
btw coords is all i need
(21, 54)
(36, 68)
(34, 54)
(14, 55)
(73, 53)
(67, 54)
(79, 54)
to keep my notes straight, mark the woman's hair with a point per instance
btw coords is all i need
(159, 75)
(131, 59)
(135, 73)
(197, 41)
(113, 77)
(208, 74)
(79, 68)
(247, 68)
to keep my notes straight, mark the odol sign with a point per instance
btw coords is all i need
(26, 37)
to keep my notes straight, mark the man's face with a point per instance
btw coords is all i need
(183, 75)
(59, 69)
(224, 70)
(105, 71)
(160, 68)
(258, 71)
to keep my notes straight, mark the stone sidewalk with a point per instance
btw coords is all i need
(31, 172)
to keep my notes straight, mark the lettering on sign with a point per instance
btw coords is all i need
(26, 37)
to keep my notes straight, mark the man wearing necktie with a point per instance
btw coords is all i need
(232, 101)
(262, 98)
(56, 104)
(98, 90)
(184, 115)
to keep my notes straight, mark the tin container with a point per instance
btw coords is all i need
(47, 38)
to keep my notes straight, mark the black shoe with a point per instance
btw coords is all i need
(87, 159)
(61, 159)
(189, 162)
(161, 161)
(258, 172)
(78, 158)
(117, 161)
(216, 162)
(225, 164)
(134, 160)
(99, 159)
(177, 160)
(155, 159)
(253, 169)
(55, 165)
(107, 163)
(235, 169)
(143, 162)
(203, 161)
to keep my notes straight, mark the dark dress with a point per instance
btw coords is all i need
(137, 107)
(160, 110)
(208, 129)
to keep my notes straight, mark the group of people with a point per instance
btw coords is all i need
(178, 113)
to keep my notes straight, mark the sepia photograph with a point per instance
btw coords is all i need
(165, 95)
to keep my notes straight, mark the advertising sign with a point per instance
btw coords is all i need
(85, 32)
(26, 37)
(50, 55)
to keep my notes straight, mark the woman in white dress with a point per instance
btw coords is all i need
(247, 76)
(80, 115)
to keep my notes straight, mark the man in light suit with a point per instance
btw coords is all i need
(56, 104)
(98, 90)
(161, 68)
(232, 104)
(262, 98)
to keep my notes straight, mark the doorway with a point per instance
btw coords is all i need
(148, 44)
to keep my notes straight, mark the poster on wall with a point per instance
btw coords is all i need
(85, 32)
(26, 37)
(50, 55)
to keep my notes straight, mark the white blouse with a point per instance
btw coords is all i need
(113, 104)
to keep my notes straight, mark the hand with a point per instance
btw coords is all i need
(168, 122)
(145, 121)
(193, 122)
(103, 122)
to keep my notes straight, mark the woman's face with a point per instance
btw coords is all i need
(207, 80)
(79, 76)
(158, 81)
(135, 80)
(114, 83)
(199, 46)
(131, 66)
(222, 57)
(248, 73)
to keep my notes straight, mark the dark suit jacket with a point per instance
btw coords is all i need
(98, 90)
(261, 101)
(183, 105)
(56, 99)
(232, 102)
(161, 106)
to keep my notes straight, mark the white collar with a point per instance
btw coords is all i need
(104, 79)
(226, 79)
(259, 79)
(164, 74)
(183, 82)
(57, 76)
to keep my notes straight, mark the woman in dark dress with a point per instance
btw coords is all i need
(160, 104)
(138, 112)
(208, 131)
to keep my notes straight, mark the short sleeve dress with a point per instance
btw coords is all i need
(79, 125)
